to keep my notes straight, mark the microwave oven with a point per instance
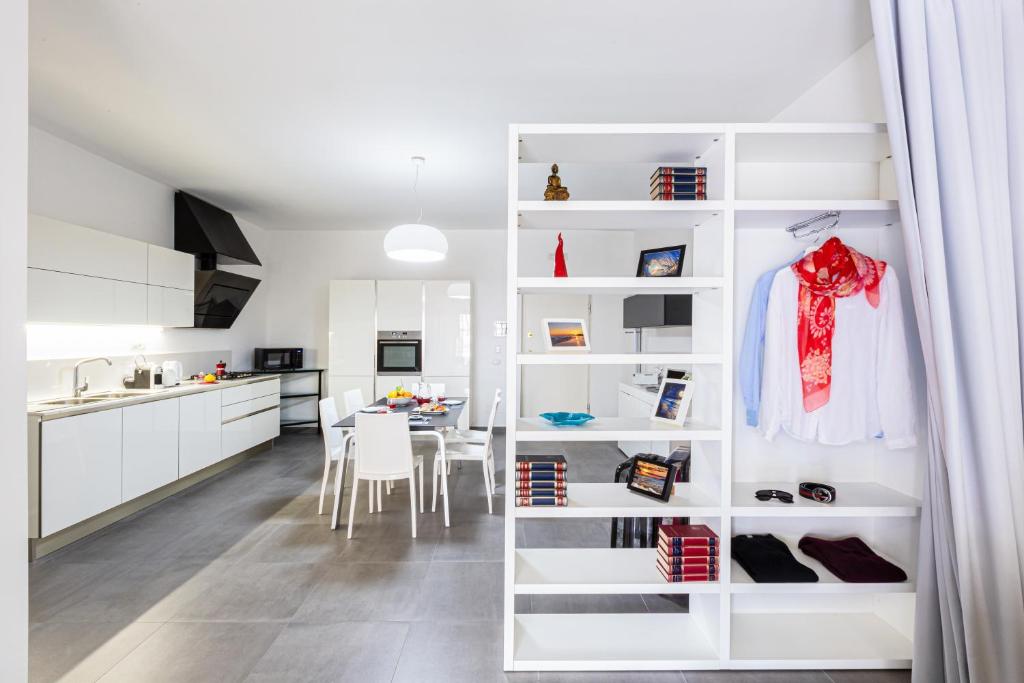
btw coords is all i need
(399, 353)
(278, 359)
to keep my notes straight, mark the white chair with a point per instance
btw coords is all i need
(483, 453)
(463, 433)
(354, 401)
(383, 453)
(334, 444)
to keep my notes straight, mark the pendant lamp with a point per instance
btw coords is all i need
(416, 242)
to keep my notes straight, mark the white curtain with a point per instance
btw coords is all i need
(952, 74)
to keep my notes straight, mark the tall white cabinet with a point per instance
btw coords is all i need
(761, 178)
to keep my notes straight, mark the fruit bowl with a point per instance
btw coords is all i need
(400, 401)
(567, 419)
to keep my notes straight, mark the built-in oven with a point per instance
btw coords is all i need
(399, 353)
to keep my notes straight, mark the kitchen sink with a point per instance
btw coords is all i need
(56, 403)
(106, 395)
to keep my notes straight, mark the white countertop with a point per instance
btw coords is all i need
(44, 412)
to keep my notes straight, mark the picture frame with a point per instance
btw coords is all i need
(565, 334)
(674, 396)
(661, 261)
(652, 476)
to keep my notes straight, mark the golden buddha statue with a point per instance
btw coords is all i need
(554, 191)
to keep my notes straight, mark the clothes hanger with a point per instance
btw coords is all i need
(814, 226)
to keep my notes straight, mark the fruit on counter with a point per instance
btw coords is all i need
(399, 392)
(210, 379)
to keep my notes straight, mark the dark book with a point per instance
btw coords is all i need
(689, 533)
(541, 485)
(677, 184)
(683, 578)
(688, 550)
(540, 476)
(541, 462)
(678, 197)
(537, 501)
(678, 170)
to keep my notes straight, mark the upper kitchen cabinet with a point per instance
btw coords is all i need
(66, 248)
(55, 297)
(400, 305)
(448, 332)
(352, 328)
(170, 268)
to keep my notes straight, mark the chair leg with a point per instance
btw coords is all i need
(339, 482)
(487, 486)
(412, 501)
(323, 485)
(352, 505)
(369, 488)
(388, 485)
(421, 487)
(380, 500)
(437, 471)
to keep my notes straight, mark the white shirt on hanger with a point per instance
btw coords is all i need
(870, 395)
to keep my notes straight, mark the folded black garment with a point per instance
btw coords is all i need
(852, 560)
(768, 560)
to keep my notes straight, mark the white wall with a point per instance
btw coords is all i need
(13, 225)
(71, 184)
(850, 93)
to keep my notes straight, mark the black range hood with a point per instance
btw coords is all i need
(210, 233)
(220, 297)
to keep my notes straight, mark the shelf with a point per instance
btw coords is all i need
(618, 285)
(613, 642)
(828, 583)
(853, 499)
(780, 213)
(813, 143)
(657, 144)
(614, 500)
(618, 358)
(616, 429)
(307, 395)
(616, 215)
(593, 571)
(816, 640)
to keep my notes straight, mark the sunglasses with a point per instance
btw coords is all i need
(768, 494)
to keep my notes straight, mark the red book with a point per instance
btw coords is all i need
(541, 501)
(704, 551)
(687, 534)
(682, 578)
(677, 196)
(689, 570)
(527, 491)
(542, 475)
(685, 561)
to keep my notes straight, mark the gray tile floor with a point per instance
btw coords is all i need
(239, 579)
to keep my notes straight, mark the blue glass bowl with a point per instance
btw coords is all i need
(567, 419)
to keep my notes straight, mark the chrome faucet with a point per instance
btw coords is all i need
(78, 389)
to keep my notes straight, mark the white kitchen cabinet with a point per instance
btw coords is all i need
(249, 391)
(399, 305)
(199, 425)
(79, 469)
(170, 307)
(170, 268)
(337, 385)
(246, 432)
(149, 449)
(448, 328)
(68, 298)
(352, 328)
(67, 248)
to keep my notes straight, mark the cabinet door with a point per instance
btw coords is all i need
(447, 336)
(149, 452)
(236, 436)
(68, 248)
(399, 305)
(80, 468)
(170, 268)
(199, 417)
(66, 298)
(337, 385)
(352, 330)
(170, 307)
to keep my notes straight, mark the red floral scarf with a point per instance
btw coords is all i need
(834, 270)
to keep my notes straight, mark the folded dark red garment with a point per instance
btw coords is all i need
(852, 560)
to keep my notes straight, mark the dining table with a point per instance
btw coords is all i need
(432, 425)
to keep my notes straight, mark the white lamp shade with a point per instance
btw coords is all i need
(415, 242)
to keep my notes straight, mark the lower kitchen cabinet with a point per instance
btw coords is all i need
(80, 468)
(199, 418)
(246, 432)
(149, 453)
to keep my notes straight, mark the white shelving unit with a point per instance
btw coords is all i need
(761, 178)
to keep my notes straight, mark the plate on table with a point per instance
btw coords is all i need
(452, 402)
(373, 409)
(562, 419)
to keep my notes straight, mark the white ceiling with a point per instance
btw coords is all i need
(303, 115)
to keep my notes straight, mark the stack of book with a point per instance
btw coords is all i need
(687, 552)
(679, 182)
(540, 480)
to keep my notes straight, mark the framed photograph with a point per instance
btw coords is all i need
(661, 262)
(652, 476)
(673, 400)
(565, 334)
